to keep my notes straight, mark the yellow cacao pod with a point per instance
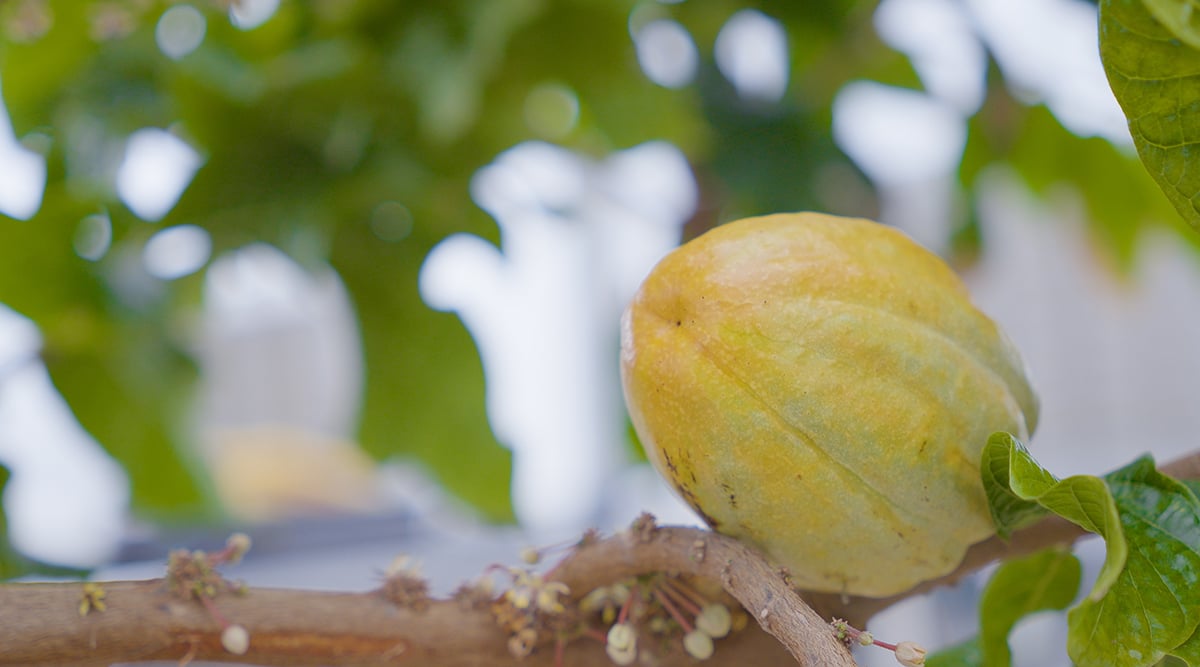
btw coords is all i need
(822, 387)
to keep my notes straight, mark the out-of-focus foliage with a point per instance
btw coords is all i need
(14, 564)
(331, 108)
(1118, 194)
(1018, 588)
(11, 563)
(1150, 53)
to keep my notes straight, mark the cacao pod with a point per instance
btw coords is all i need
(822, 387)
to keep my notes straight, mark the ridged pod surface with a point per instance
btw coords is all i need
(822, 387)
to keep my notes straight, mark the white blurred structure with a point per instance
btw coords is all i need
(281, 387)
(577, 238)
(156, 169)
(285, 338)
(67, 500)
(22, 173)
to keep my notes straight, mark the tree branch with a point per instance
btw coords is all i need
(40, 624)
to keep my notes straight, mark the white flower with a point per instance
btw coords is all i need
(236, 640)
(621, 645)
(714, 620)
(910, 654)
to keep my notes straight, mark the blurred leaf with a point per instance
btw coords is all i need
(115, 365)
(12, 564)
(425, 390)
(774, 156)
(1180, 17)
(966, 654)
(1120, 198)
(1020, 587)
(1153, 76)
(37, 72)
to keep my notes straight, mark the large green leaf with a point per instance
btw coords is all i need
(1146, 600)
(1154, 606)
(1153, 70)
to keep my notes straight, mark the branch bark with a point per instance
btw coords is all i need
(40, 624)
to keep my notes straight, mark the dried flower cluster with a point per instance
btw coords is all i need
(192, 575)
(651, 613)
(660, 609)
(532, 609)
(404, 584)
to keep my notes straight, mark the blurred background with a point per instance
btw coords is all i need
(347, 274)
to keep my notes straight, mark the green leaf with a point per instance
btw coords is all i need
(966, 654)
(1180, 17)
(1146, 600)
(1154, 606)
(1153, 74)
(1009, 511)
(125, 379)
(1120, 196)
(1083, 500)
(1188, 652)
(1020, 587)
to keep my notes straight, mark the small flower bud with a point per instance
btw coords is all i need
(865, 639)
(620, 593)
(519, 597)
(547, 601)
(521, 644)
(714, 620)
(236, 640)
(530, 556)
(910, 654)
(403, 565)
(237, 544)
(740, 620)
(698, 645)
(594, 601)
